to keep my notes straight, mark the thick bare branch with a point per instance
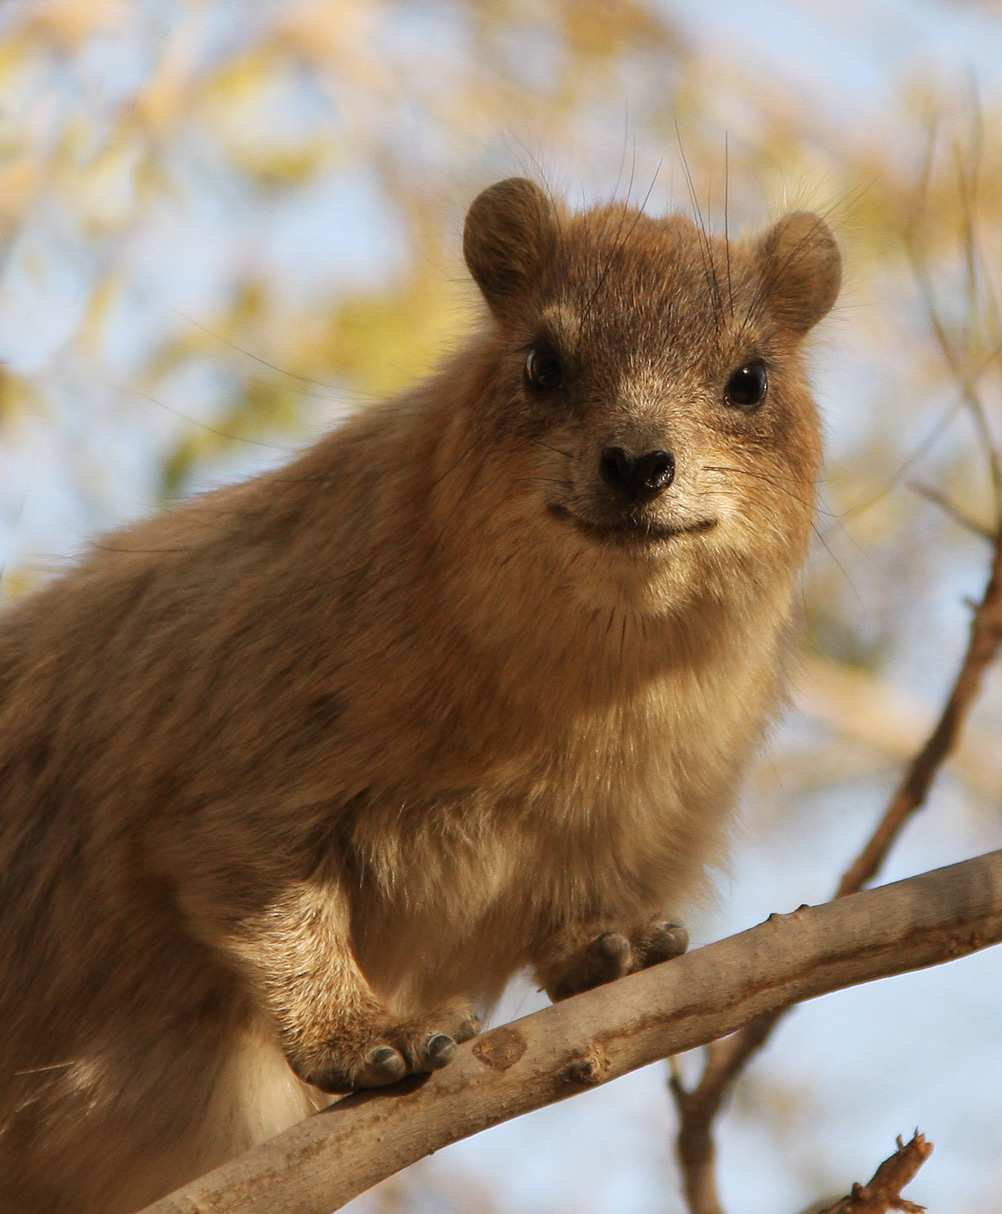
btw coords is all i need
(321, 1163)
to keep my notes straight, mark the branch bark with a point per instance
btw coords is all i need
(323, 1162)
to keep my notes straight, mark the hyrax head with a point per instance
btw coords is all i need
(648, 393)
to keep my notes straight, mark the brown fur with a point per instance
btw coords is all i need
(303, 768)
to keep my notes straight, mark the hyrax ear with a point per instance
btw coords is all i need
(801, 270)
(511, 232)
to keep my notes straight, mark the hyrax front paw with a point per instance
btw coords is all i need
(611, 955)
(386, 1051)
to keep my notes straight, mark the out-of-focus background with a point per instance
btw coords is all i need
(224, 224)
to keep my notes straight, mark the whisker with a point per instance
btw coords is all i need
(703, 237)
(622, 239)
(776, 482)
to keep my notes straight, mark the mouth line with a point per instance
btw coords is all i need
(633, 531)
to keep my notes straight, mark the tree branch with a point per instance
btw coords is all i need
(982, 647)
(326, 1160)
(883, 1193)
(726, 1059)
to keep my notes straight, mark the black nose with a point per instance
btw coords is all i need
(644, 476)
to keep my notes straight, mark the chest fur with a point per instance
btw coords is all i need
(615, 816)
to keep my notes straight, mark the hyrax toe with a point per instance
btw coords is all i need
(430, 1042)
(464, 1024)
(607, 957)
(391, 1050)
(610, 949)
(383, 1065)
(440, 1048)
(612, 954)
(604, 958)
(661, 941)
(346, 1067)
(341, 1071)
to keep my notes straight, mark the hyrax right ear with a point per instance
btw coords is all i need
(511, 232)
(801, 270)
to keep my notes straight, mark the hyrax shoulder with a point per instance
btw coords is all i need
(296, 775)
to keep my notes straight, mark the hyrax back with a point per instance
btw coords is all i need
(296, 775)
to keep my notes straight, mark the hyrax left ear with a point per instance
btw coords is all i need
(801, 270)
(510, 235)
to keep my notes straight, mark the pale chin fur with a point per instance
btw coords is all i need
(654, 577)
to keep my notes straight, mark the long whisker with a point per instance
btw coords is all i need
(764, 476)
(622, 239)
(705, 249)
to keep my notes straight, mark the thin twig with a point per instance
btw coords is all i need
(982, 648)
(726, 1059)
(958, 360)
(963, 375)
(951, 510)
(883, 1193)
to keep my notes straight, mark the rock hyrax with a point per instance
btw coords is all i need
(296, 775)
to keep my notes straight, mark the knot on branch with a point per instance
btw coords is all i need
(591, 1068)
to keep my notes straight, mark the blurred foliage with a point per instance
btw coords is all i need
(225, 223)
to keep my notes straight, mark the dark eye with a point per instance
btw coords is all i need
(543, 368)
(746, 387)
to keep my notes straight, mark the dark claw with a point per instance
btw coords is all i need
(441, 1048)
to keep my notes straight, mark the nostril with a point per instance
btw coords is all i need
(616, 468)
(641, 477)
(654, 471)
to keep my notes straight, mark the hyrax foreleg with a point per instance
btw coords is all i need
(336, 1034)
